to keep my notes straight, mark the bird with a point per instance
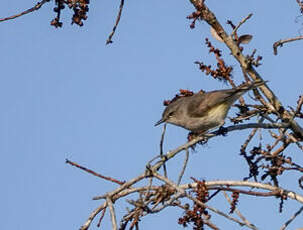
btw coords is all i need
(204, 111)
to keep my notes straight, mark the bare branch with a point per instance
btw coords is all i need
(281, 42)
(168, 203)
(101, 217)
(291, 219)
(211, 225)
(249, 138)
(36, 7)
(92, 216)
(161, 148)
(241, 23)
(184, 166)
(251, 193)
(121, 188)
(109, 40)
(211, 184)
(94, 173)
(112, 213)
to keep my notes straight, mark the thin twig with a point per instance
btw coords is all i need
(239, 213)
(245, 74)
(128, 191)
(36, 7)
(252, 193)
(275, 189)
(281, 148)
(149, 186)
(210, 224)
(92, 216)
(151, 160)
(94, 173)
(182, 191)
(214, 194)
(101, 217)
(161, 148)
(242, 22)
(109, 39)
(184, 166)
(121, 188)
(249, 138)
(291, 219)
(247, 115)
(168, 203)
(278, 139)
(281, 42)
(112, 213)
(259, 97)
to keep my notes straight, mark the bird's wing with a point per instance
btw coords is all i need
(200, 103)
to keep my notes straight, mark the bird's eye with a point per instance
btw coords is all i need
(170, 114)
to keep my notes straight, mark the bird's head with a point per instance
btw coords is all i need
(171, 113)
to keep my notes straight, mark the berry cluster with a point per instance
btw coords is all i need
(196, 215)
(80, 8)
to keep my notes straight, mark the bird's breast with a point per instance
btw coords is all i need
(219, 112)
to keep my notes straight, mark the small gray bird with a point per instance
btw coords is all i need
(204, 111)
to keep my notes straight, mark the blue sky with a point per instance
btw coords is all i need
(64, 94)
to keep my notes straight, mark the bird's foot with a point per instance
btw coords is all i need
(191, 136)
(222, 131)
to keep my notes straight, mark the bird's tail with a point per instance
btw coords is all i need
(236, 93)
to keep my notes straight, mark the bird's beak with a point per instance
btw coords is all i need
(160, 122)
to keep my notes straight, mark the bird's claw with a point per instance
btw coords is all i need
(222, 131)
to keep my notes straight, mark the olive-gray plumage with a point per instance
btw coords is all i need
(203, 111)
